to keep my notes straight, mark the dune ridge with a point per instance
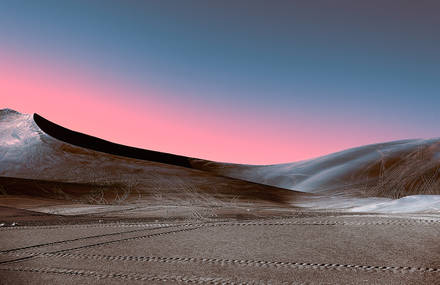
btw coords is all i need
(392, 170)
(31, 161)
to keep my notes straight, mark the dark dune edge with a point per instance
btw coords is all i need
(94, 143)
(247, 188)
(156, 178)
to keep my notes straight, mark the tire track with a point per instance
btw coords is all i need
(326, 222)
(223, 224)
(241, 262)
(222, 262)
(280, 221)
(398, 222)
(199, 226)
(103, 243)
(132, 276)
(85, 226)
(76, 239)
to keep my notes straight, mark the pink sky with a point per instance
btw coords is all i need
(145, 117)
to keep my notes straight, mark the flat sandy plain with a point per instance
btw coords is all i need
(298, 247)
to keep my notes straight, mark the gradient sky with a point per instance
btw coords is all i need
(238, 81)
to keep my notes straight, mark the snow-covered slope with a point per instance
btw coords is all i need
(395, 169)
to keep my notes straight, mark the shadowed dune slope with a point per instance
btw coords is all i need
(90, 142)
(35, 148)
(57, 169)
(394, 169)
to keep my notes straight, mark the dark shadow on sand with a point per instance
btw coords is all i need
(94, 143)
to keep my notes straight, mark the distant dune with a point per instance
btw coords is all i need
(393, 170)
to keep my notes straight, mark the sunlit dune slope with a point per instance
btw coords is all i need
(394, 169)
(33, 148)
(29, 153)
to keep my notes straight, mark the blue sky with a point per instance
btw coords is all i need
(361, 71)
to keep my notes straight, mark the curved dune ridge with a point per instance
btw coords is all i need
(96, 171)
(35, 163)
(393, 170)
(89, 142)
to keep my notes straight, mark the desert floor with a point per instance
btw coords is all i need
(242, 245)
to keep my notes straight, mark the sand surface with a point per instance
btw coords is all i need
(303, 247)
(75, 209)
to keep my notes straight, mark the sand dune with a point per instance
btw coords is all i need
(34, 163)
(77, 209)
(393, 170)
(38, 150)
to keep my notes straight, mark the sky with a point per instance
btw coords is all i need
(257, 82)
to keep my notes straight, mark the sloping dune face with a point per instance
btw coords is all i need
(393, 170)
(26, 152)
(73, 167)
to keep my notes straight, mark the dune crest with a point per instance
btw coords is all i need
(394, 170)
(34, 163)
(34, 148)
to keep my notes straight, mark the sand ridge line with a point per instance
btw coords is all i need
(245, 262)
(134, 276)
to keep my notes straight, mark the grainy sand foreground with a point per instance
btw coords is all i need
(303, 247)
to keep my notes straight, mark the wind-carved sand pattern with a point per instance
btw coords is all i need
(78, 210)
